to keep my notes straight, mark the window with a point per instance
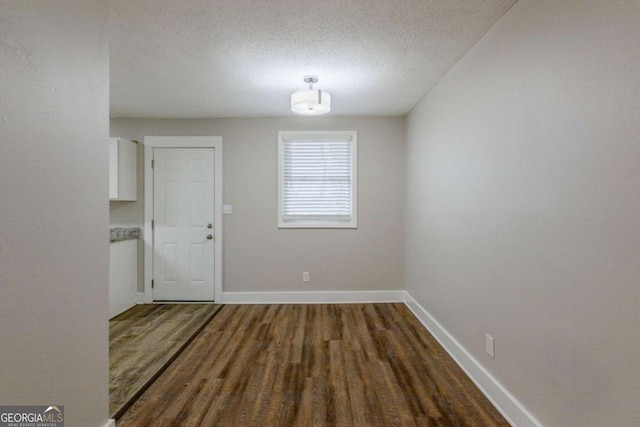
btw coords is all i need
(317, 179)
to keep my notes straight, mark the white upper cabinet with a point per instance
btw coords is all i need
(122, 169)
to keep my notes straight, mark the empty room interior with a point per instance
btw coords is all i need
(358, 212)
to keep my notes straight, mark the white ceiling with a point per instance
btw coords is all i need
(244, 58)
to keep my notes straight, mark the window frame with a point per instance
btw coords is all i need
(344, 135)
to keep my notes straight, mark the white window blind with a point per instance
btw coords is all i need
(317, 179)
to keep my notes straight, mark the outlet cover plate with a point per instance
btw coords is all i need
(490, 346)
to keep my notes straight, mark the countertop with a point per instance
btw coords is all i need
(119, 234)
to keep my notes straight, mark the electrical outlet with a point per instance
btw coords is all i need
(305, 277)
(490, 346)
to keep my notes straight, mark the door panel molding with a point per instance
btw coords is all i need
(151, 142)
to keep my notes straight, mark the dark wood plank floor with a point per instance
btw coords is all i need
(143, 341)
(281, 365)
(343, 365)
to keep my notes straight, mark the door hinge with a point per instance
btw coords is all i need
(151, 163)
(152, 224)
(151, 283)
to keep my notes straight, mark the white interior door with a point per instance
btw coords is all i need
(183, 224)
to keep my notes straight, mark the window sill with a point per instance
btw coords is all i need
(317, 224)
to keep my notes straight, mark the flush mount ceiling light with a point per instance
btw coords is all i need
(311, 102)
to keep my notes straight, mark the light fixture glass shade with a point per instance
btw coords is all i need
(312, 102)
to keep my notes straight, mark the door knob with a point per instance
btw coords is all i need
(210, 236)
(209, 225)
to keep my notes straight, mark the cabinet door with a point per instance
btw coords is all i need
(127, 171)
(122, 170)
(123, 276)
(113, 168)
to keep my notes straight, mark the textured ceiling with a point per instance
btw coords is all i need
(243, 58)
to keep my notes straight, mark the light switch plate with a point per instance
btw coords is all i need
(227, 209)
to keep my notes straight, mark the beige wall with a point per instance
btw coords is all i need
(523, 202)
(54, 112)
(260, 257)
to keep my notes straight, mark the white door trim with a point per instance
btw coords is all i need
(151, 142)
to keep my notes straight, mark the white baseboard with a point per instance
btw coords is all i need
(110, 423)
(311, 297)
(516, 414)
